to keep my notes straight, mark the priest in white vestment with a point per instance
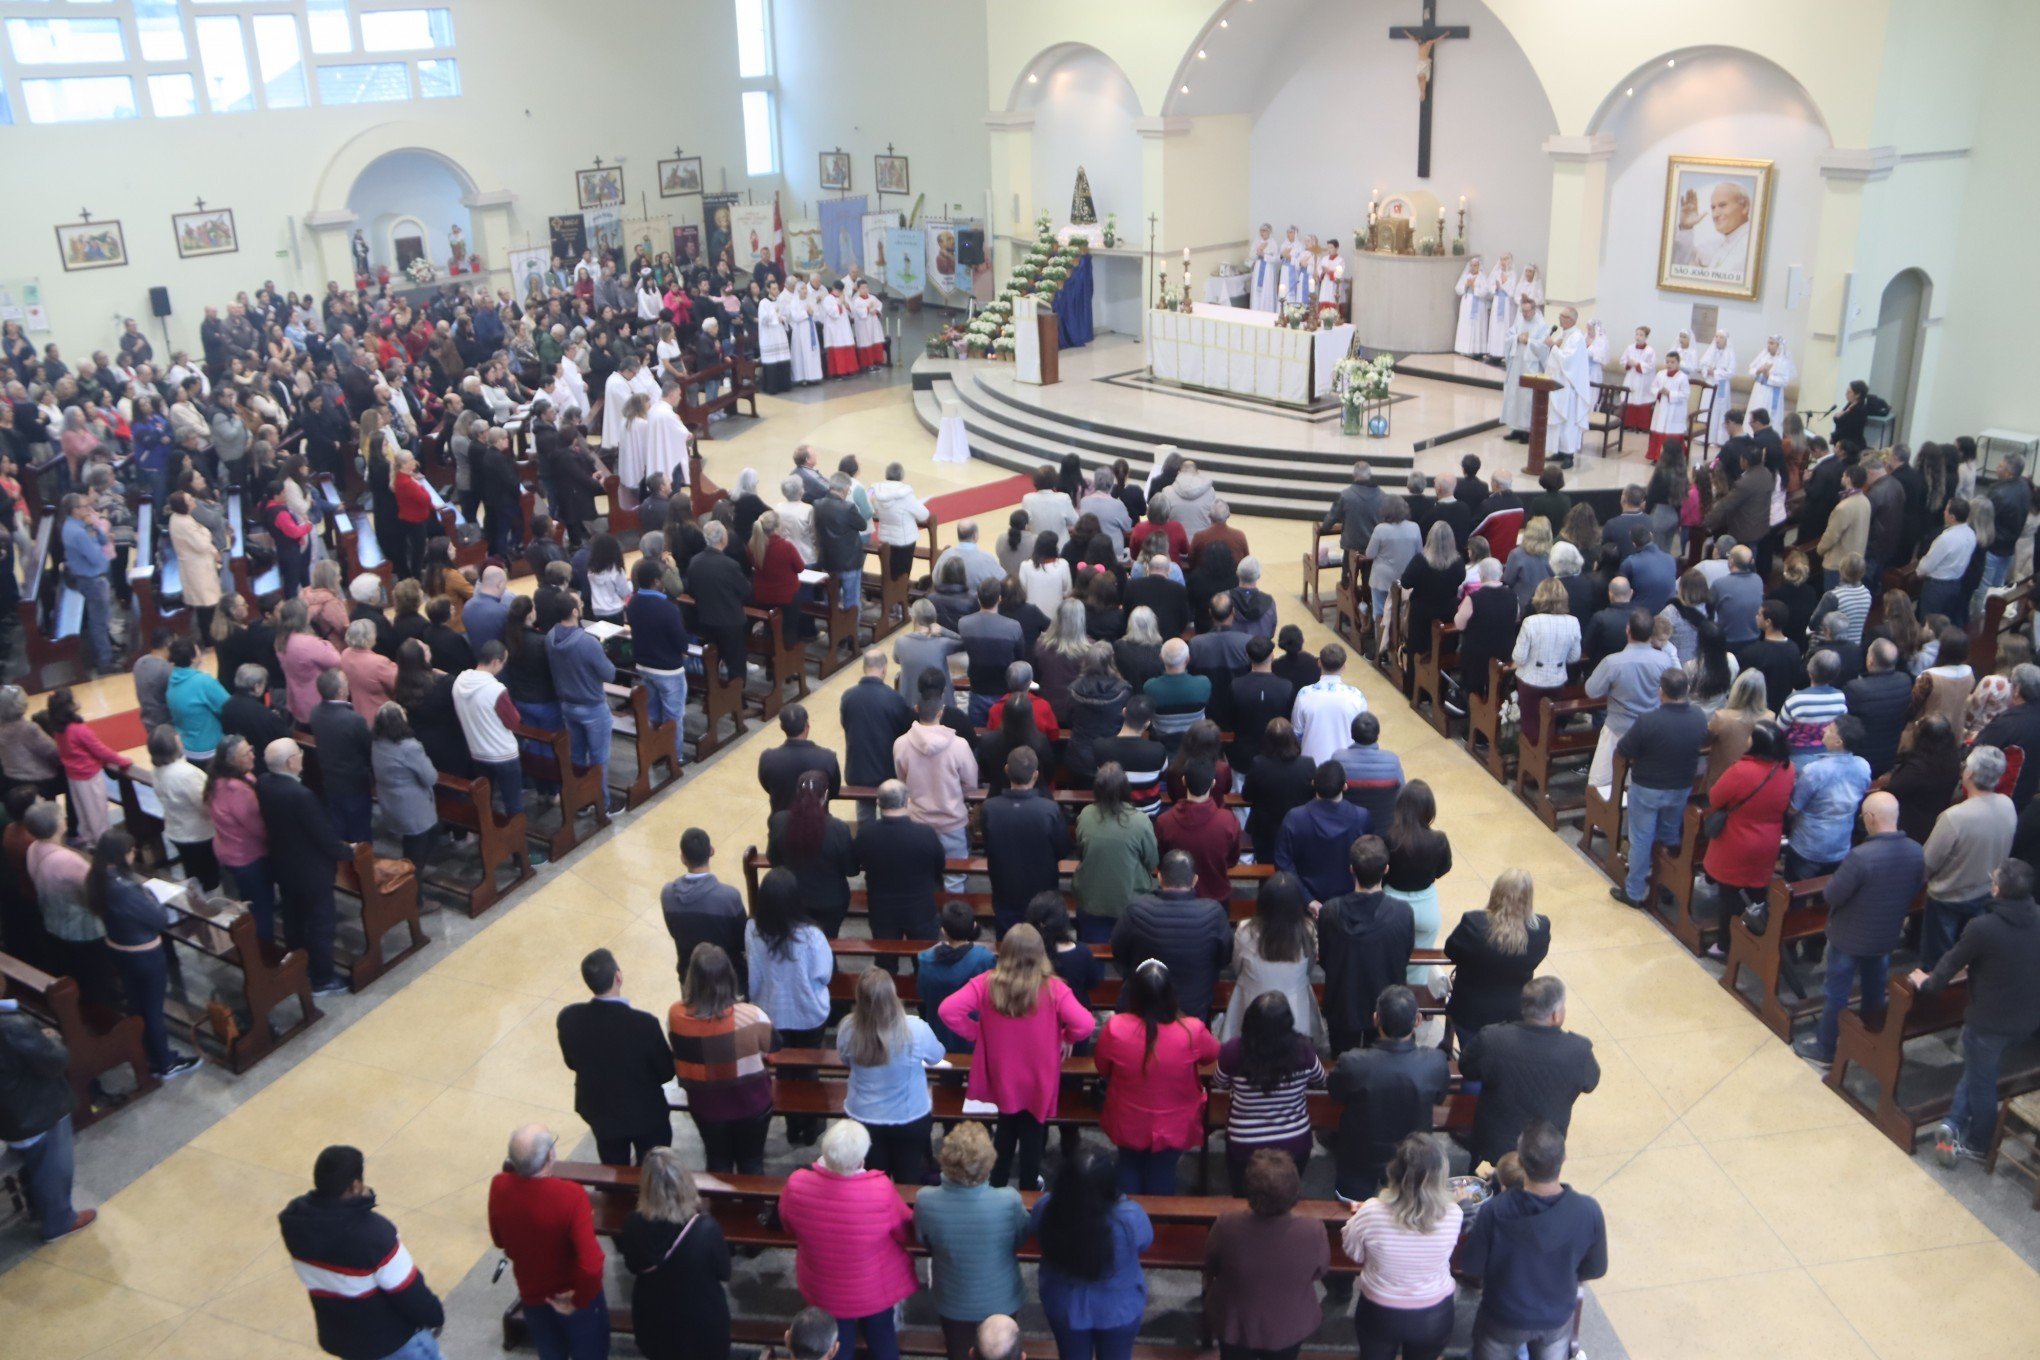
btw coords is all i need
(1470, 337)
(1639, 367)
(1502, 310)
(867, 327)
(1770, 371)
(1525, 347)
(569, 390)
(1670, 393)
(615, 396)
(654, 440)
(1717, 369)
(1266, 259)
(1573, 403)
(775, 348)
(1303, 273)
(797, 306)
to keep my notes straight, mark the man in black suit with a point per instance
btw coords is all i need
(247, 715)
(874, 716)
(780, 769)
(621, 1064)
(1386, 1092)
(1169, 601)
(1607, 632)
(902, 861)
(346, 773)
(1529, 1069)
(1258, 697)
(1768, 442)
(720, 590)
(302, 853)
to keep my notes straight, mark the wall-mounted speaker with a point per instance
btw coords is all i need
(159, 301)
(970, 247)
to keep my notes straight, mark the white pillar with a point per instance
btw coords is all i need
(1579, 212)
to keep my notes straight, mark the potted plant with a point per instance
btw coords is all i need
(1362, 388)
(1111, 229)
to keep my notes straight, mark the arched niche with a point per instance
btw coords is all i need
(409, 193)
(1900, 349)
(1085, 110)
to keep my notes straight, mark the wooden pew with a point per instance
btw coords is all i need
(1603, 820)
(98, 1040)
(469, 804)
(1798, 912)
(2012, 605)
(784, 661)
(656, 744)
(1541, 746)
(1431, 670)
(1392, 634)
(839, 617)
(1353, 616)
(1677, 870)
(270, 976)
(50, 615)
(1314, 568)
(141, 817)
(382, 910)
(1484, 718)
(721, 697)
(150, 580)
(702, 492)
(580, 787)
(621, 520)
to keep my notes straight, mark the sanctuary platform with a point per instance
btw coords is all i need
(1271, 460)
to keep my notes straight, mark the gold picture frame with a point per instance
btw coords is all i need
(1717, 219)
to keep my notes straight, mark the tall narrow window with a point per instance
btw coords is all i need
(754, 39)
(173, 95)
(759, 99)
(227, 87)
(79, 99)
(281, 61)
(761, 150)
(438, 78)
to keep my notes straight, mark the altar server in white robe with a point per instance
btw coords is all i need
(775, 348)
(1266, 258)
(1573, 403)
(569, 390)
(1527, 345)
(1470, 337)
(1502, 309)
(1717, 369)
(1770, 371)
(1303, 278)
(1639, 367)
(797, 306)
(839, 342)
(649, 299)
(867, 326)
(1597, 350)
(1331, 273)
(1670, 394)
(616, 396)
(654, 440)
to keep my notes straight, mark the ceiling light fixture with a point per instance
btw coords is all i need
(1200, 54)
(1033, 79)
(1225, 23)
(1671, 61)
(1631, 92)
(1185, 89)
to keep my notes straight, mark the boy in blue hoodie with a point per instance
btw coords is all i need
(1531, 1249)
(580, 669)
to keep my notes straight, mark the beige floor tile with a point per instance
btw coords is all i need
(525, 952)
(1624, 1114)
(1674, 1218)
(580, 899)
(1954, 1304)
(1685, 1067)
(463, 1018)
(1771, 1091)
(525, 1063)
(185, 1226)
(455, 1143)
(1779, 1316)
(1841, 1193)
(141, 1343)
(205, 1337)
(1648, 988)
(53, 1313)
(272, 1302)
(323, 1100)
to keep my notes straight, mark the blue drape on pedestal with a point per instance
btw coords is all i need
(1073, 306)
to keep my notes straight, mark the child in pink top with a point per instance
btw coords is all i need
(1021, 1019)
(85, 758)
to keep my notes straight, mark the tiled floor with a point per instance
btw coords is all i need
(1750, 1213)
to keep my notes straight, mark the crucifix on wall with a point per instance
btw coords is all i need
(1427, 35)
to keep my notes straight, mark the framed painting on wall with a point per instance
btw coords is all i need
(1717, 213)
(891, 174)
(836, 171)
(678, 178)
(601, 187)
(210, 232)
(92, 245)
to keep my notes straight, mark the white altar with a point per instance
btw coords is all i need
(1244, 353)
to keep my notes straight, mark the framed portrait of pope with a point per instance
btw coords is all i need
(1717, 213)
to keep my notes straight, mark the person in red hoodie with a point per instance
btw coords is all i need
(1201, 826)
(851, 1229)
(414, 513)
(547, 1229)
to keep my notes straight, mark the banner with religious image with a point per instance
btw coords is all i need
(906, 250)
(842, 232)
(645, 239)
(804, 248)
(527, 272)
(751, 229)
(687, 245)
(872, 229)
(605, 234)
(569, 235)
(941, 248)
(716, 210)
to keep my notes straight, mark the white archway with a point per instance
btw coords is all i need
(1896, 360)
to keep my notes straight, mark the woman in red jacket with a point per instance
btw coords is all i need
(414, 513)
(776, 568)
(1755, 792)
(1154, 1098)
(851, 1229)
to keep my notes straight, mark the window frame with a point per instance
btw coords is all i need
(766, 86)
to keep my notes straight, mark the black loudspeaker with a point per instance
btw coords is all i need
(159, 302)
(970, 247)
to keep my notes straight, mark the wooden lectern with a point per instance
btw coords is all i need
(1540, 388)
(1050, 332)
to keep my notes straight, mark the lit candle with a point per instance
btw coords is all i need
(1186, 257)
(1374, 195)
(1462, 201)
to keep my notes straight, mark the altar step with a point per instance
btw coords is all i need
(1281, 483)
(1418, 368)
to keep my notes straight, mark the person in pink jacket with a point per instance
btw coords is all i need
(302, 654)
(851, 1231)
(1021, 1020)
(939, 769)
(1154, 1096)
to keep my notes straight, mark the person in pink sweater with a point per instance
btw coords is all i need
(303, 655)
(939, 770)
(1154, 1098)
(1021, 1019)
(85, 758)
(851, 1231)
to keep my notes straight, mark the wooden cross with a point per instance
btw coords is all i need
(1427, 36)
(677, 153)
(598, 162)
(201, 204)
(84, 216)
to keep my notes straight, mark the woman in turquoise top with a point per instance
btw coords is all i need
(195, 699)
(888, 1053)
(973, 1232)
(1092, 1286)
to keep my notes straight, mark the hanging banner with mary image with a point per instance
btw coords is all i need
(842, 232)
(716, 212)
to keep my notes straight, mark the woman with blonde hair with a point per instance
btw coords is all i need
(1018, 1017)
(888, 1053)
(973, 1233)
(1494, 953)
(1729, 727)
(324, 601)
(1547, 646)
(680, 1264)
(1529, 563)
(1059, 656)
(1403, 1240)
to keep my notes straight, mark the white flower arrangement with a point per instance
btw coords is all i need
(1295, 317)
(1358, 381)
(1005, 344)
(420, 270)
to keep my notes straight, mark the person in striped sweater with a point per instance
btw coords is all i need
(369, 1298)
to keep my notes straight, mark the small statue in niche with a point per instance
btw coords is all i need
(456, 246)
(360, 248)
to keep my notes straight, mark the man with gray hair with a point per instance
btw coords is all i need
(1179, 697)
(1529, 1069)
(247, 714)
(1357, 510)
(1968, 843)
(1220, 530)
(2011, 500)
(1103, 501)
(797, 518)
(2018, 728)
(546, 1227)
(903, 861)
(302, 853)
(998, 1338)
(979, 566)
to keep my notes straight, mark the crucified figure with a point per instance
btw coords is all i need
(1424, 65)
